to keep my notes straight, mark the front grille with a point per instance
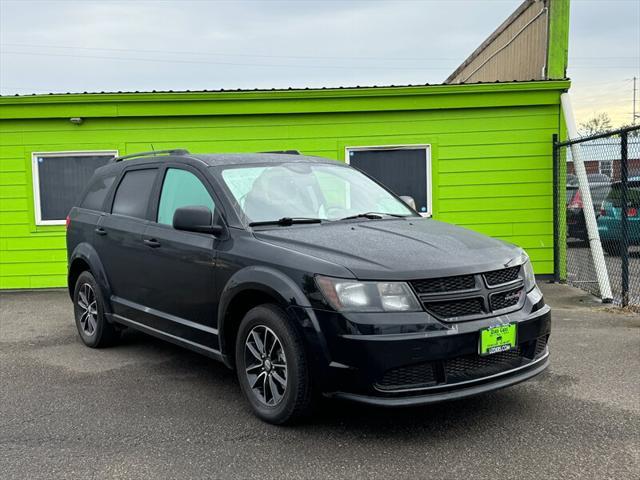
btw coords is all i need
(477, 300)
(413, 376)
(456, 308)
(506, 299)
(505, 275)
(444, 284)
(470, 367)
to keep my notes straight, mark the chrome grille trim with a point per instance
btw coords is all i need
(487, 298)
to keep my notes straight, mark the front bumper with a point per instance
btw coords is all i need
(496, 382)
(413, 358)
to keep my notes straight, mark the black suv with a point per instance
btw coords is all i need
(304, 275)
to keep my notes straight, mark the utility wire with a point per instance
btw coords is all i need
(203, 62)
(217, 54)
(262, 65)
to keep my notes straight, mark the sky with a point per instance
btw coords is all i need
(115, 45)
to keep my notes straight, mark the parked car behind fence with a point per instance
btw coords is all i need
(610, 217)
(599, 185)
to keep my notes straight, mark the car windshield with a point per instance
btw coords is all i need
(308, 191)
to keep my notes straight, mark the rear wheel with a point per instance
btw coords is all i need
(272, 366)
(88, 305)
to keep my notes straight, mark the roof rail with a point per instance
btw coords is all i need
(285, 152)
(175, 151)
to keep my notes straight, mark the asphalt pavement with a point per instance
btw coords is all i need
(147, 409)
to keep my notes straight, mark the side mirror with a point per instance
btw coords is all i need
(408, 200)
(195, 218)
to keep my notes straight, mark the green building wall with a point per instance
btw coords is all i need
(491, 150)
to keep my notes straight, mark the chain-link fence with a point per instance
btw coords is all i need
(597, 198)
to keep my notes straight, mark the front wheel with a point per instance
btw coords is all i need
(272, 366)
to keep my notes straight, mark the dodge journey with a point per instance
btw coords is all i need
(305, 276)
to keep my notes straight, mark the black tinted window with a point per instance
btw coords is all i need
(61, 180)
(403, 171)
(132, 196)
(94, 199)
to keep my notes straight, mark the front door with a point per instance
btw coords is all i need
(180, 266)
(403, 170)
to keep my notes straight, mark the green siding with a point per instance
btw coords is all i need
(491, 150)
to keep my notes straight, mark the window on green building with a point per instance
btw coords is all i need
(59, 178)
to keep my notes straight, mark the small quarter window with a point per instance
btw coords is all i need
(132, 195)
(94, 199)
(181, 189)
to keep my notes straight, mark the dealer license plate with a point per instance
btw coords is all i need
(497, 339)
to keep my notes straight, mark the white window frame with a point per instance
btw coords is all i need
(606, 171)
(35, 172)
(427, 149)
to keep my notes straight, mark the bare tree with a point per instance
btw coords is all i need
(598, 124)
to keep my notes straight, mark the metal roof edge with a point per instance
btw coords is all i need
(276, 94)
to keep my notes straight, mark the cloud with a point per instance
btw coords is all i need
(145, 45)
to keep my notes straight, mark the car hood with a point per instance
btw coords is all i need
(396, 249)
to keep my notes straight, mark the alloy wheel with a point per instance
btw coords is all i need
(88, 305)
(265, 365)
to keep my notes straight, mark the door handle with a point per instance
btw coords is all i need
(151, 242)
(100, 231)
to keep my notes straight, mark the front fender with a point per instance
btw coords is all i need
(88, 254)
(264, 279)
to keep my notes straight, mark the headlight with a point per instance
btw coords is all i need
(355, 296)
(529, 277)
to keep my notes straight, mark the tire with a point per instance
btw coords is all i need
(260, 376)
(88, 308)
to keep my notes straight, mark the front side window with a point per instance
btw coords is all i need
(181, 189)
(59, 178)
(132, 195)
(302, 190)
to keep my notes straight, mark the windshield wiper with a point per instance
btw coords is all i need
(286, 221)
(373, 215)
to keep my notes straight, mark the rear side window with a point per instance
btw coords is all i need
(132, 195)
(181, 189)
(94, 199)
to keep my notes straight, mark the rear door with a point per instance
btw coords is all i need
(180, 266)
(118, 239)
(84, 218)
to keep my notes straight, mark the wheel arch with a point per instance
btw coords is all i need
(248, 288)
(84, 258)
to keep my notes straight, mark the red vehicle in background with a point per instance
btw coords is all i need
(600, 186)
